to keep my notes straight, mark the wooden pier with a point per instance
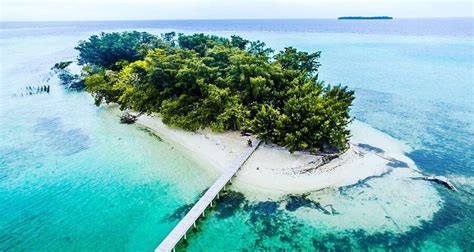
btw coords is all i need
(189, 220)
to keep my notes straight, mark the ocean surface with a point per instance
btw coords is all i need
(73, 179)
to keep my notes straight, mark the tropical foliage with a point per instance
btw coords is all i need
(197, 81)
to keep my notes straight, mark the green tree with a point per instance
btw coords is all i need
(292, 59)
(197, 81)
(108, 49)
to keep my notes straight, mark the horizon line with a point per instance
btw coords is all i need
(219, 19)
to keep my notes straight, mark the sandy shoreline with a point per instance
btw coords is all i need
(272, 171)
(388, 192)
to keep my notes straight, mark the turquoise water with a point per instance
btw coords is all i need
(73, 178)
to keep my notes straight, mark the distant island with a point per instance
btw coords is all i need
(366, 18)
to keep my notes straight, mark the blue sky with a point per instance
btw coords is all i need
(46, 10)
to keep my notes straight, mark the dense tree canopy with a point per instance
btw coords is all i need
(197, 81)
(108, 49)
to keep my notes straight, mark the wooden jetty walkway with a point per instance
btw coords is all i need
(206, 200)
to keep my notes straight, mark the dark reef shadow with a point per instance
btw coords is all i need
(64, 141)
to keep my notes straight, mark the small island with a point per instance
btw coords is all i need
(365, 18)
(212, 97)
(204, 81)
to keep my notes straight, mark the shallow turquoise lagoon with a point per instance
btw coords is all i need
(72, 178)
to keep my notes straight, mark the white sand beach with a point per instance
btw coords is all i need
(275, 171)
(272, 173)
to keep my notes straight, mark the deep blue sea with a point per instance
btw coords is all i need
(72, 178)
